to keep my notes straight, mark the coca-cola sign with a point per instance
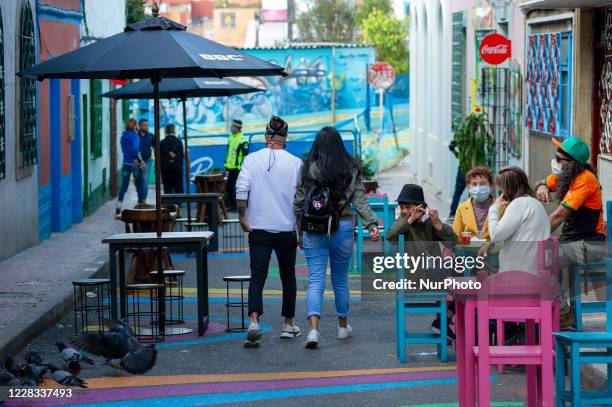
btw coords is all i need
(495, 49)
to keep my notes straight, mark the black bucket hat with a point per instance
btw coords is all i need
(412, 193)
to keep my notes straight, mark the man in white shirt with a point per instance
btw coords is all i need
(265, 191)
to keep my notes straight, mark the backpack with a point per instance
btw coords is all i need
(320, 214)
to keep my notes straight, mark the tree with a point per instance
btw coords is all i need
(366, 7)
(327, 21)
(389, 36)
(134, 11)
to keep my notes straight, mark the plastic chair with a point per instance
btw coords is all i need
(383, 209)
(548, 262)
(576, 341)
(419, 303)
(511, 296)
(576, 274)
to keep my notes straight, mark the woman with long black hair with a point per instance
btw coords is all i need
(330, 182)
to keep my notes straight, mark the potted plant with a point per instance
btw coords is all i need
(474, 142)
(368, 173)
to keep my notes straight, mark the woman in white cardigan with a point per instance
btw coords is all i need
(525, 222)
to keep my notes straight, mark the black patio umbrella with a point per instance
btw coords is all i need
(183, 88)
(154, 48)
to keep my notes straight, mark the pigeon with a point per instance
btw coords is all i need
(69, 354)
(31, 375)
(33, 357)
(66, 378)
(11, 364)
(120, 347)
(8, 379)
(73, 367)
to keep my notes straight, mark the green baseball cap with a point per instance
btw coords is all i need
(575, 148)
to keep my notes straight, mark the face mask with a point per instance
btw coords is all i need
(480, 193)
(556, 167)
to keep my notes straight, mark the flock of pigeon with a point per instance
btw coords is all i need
(118, 346)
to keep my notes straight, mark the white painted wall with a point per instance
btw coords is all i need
(18, 198)
(430, 86)
(104, 19)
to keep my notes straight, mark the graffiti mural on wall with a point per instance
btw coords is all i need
(543, 80)
(605, 144)
(306, 91)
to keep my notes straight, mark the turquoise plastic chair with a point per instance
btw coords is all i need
(577, 341)
(383, 209)
(590, 307)
(414, 304)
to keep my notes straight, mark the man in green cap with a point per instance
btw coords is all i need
(580, 206)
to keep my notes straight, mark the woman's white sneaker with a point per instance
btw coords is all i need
(313, 338)
(344, 332)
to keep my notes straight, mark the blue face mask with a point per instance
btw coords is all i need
(480, 193)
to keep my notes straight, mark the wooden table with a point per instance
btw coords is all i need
(465, 303)
(196, 241)
(210, 198)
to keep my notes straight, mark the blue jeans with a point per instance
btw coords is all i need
(459, 187)
(145, 180)
(338, 248)
(126, 171)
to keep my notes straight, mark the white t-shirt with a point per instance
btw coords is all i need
(268, 180)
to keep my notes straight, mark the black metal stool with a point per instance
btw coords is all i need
(83, 290)
(182, 225)
(139, 315)
(233, 236)
(241, 304)
(173, 281)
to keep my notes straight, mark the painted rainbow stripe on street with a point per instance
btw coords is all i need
(212, 389)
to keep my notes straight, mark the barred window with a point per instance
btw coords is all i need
(2, 112)
(27, 90)
(96, 118)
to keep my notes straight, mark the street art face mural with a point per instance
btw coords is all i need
(543, 80)
(306, 91)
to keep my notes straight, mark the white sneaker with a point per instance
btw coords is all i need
(313, 338)
(344, 332)
(253, 335)
(290, 331)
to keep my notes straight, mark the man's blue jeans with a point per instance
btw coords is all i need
(338, 248)
(126, 171)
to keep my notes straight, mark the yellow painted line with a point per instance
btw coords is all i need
(141, 381)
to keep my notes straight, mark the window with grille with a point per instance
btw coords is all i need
(458, 69)
(2, 111)
(96, 118)
(27, 90)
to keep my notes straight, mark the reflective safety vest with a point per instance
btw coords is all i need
(237, 148)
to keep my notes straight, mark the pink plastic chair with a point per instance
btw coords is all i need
(548, 261)
(516, 296)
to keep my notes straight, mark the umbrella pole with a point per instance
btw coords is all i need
(161, 306)
(187, 164)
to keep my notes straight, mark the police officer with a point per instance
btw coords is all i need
(237, 148)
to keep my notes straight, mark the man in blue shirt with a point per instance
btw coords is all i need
(146, 142)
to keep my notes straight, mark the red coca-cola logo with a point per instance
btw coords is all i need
(495, 49)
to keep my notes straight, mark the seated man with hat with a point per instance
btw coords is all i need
(423, 232)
